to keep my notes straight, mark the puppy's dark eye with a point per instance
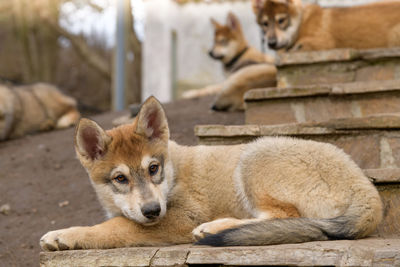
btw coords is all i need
(265, 23)
(153, 169)
(281, 20)
(121, 179)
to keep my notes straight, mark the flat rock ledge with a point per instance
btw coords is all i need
(336, 89)
(336, 55)
(364, 252)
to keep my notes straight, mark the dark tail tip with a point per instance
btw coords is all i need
(217, 240)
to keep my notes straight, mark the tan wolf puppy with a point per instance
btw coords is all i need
(272, 191)
(31, 108)
(245, 66)
(292, 25)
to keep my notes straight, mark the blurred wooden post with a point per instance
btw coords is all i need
(39, 45)
(120, 55)
(133, 62)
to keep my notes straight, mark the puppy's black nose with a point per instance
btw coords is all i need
(219, 108)
(151, 210)
(272, 42)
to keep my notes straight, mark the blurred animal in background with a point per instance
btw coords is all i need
(292, 25)
(245, 66)
(32, 108)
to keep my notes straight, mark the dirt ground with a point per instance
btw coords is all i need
(47, 189)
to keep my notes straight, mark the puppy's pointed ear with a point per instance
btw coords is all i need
(152, 121)
(257, 5)
(214, 23)
(294, 2)
(233, 22)
(91, 140)
(284, 2)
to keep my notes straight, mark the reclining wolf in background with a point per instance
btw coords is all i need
(292, 25)
(272, 191)
(28, 109)
(246, 67)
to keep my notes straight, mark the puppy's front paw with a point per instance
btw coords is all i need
(199, 232)
(61, 239)
(194, 93)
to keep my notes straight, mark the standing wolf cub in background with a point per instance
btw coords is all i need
(271, 191)
(290, 25)
(246, 67)
(27, 109)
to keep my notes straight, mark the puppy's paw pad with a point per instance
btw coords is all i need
(199, 233)
(214, 227)
(205, 229)
(55, 240)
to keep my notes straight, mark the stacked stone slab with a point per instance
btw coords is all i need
(345, 97)
(365, 252)
(318, 86)
(338, 66)
(328, 96)
(318, 103)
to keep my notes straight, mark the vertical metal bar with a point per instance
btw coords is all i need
(174, 65)
(119, 75)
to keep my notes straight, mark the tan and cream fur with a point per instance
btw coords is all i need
(32, 108)
(271, 191)
(292, 25)
(245, 67)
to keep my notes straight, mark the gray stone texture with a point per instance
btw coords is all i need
(364, 252)
(338, 66)
(318, 103)
(372, 142)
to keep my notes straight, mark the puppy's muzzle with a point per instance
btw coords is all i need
(212, 55)
(151, 210)
(272, 43)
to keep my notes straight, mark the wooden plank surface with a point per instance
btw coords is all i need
(364, 252)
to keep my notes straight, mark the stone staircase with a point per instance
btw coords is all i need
(345, 97)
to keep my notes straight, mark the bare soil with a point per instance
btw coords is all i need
(47, 189)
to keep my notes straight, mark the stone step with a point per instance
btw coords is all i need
(318, 103)
(363, 252)
(387, 181)
(373, 141)
(338, 66)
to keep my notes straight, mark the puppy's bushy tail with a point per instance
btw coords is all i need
(281, 231)
(357, 222)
